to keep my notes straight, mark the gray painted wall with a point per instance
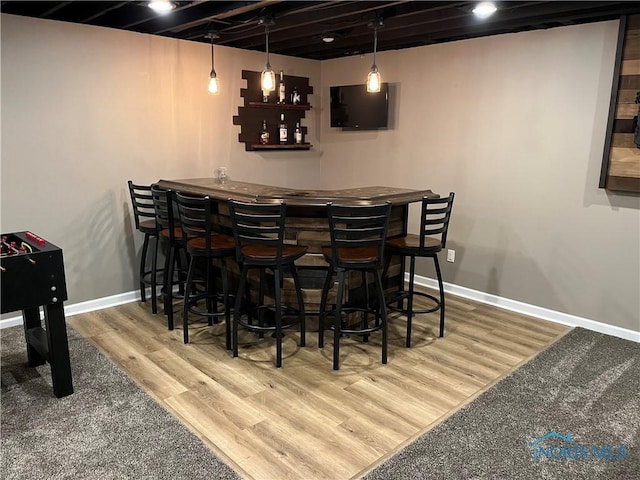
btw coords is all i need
(514, 124)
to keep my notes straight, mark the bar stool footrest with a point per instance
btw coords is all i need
(146, 277)
(405, 295)
(365, 332)
(218, 297)
(286, 310)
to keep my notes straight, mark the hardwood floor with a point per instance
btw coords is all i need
(306, 420)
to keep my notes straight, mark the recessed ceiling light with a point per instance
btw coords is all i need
(329, 37)
(484, 9)
(161, 6)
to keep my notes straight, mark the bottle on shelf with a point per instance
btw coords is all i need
(297, 134)
(264, 134)
(295, 96)
(281, 89)
(265, 96)
(283, 130)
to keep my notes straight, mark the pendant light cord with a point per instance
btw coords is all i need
(266, 29)
(375, 43)
(212, 64)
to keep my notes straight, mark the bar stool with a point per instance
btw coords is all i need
(144, 215)
(357, 244)
(431, 239)
(259, 235)
(204, 245)
(171, 235)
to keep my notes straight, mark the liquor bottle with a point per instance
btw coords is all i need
(265, 96)
(295, 96)
(264, 134)
(282, 90)
(283, 130)
(297, 134)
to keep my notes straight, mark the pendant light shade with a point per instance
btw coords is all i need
(373, 79)
(268, 76)
(214, 83)
(268, 79)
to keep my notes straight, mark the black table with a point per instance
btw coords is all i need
(32, 272)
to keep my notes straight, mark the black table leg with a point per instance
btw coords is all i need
(58, 349)
(49, 345)
(31, 320)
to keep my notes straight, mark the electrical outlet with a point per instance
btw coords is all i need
(451, 255)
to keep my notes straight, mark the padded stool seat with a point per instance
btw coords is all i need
(148, 226)
(259, 253)
(217, 241)
(411, 244)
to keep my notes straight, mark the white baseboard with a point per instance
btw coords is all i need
(84, 307)
(527, 309)
(475, 295)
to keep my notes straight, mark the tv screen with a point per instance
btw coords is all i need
(352, 107)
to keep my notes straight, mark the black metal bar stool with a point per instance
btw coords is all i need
(259, 234)
(144, 216)
(204, 245)
(357, 244)
(431, 239)
(170, 235)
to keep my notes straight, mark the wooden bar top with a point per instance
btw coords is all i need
(266, 193)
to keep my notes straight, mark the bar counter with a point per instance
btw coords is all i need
(307, 223)
(305, 198)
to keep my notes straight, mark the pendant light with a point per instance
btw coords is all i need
(214, 83)
(268, 77)
(373, 79)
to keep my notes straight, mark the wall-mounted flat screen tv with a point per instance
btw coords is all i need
(352, 107)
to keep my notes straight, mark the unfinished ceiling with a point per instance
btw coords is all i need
(299, 27)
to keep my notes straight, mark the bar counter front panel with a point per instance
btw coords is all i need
(307, 224)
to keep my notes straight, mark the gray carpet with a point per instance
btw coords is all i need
(108, 429)
(586, 385)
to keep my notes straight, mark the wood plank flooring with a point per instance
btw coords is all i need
(306, 420)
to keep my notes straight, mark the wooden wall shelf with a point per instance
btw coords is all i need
(275, 146)
(254, 111)
(286, 106)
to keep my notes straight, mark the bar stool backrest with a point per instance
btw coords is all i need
(258, 225)
(166, 213)
(195, 217)
(358, 226)
(434, 221)
(142, 203)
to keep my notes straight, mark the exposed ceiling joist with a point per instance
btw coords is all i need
(300, 26)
